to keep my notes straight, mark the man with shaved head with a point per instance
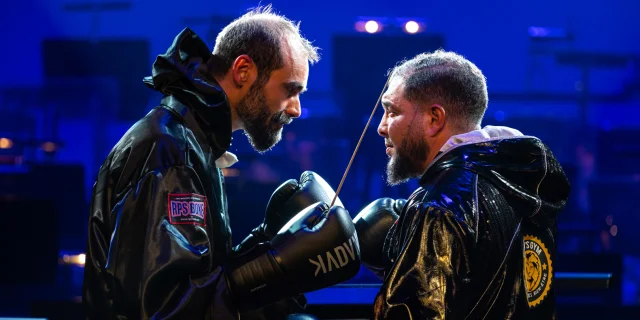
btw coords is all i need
(159, 243)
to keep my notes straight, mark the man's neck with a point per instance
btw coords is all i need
(442, 139)
(227, 86)
(436, 146)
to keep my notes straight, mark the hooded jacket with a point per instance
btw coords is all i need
(476, 240)
(159, 227)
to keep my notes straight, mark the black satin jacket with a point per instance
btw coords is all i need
(477, 239)
(159, 227)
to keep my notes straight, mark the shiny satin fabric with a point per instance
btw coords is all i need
(458, 248)
(141, 264)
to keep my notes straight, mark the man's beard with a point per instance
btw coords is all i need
(263, 129)
(408, 160)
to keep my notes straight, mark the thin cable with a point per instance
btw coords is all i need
(344, 176)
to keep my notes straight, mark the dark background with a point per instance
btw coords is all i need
(71, 85)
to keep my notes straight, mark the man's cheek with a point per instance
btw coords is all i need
(394, 135)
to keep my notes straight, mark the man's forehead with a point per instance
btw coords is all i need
(394, 93)
(291, 75)
(296, 70)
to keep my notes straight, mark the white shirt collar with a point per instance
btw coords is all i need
(226, 160)
(487, 133)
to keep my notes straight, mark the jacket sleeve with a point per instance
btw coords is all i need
(427, 272)
(160, 261)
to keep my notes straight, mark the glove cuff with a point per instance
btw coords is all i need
(255, 279)
(257, 236)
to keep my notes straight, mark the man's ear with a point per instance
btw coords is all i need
(243, 71)
(435, 117)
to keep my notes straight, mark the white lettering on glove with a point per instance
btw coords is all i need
(342, 252)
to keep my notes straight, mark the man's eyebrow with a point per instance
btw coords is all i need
(295, 86)
(387, 104)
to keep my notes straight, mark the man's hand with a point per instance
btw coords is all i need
(316, 249)
(372, 224)
(287, 200)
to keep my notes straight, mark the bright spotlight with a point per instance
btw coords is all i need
(412, 27)
(371, 26)
(71, 259)
(6, 143)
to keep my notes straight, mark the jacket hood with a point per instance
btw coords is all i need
(182, 73)
(522, 167)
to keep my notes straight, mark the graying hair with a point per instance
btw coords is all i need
(449, 79)
(261, 34)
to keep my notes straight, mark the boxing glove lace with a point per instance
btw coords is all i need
(316, 249)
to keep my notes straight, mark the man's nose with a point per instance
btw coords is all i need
(382, 127)
(293, 109)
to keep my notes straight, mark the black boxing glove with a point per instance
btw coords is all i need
(287, 200)
(372, 225)
(316, 249)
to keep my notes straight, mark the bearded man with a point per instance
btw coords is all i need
(159, 243)
(488, 198)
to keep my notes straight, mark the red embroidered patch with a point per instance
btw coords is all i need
(187, 208)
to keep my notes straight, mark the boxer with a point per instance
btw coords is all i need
(476, 240)
(159, 232)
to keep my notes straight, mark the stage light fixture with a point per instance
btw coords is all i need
(6, 143)
(411, 27)
(390, 25)
(73, 259)
(48, 147)
(371, 26)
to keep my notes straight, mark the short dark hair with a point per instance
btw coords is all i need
(446, 78)
(261, 34)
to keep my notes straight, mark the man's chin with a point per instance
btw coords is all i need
(263, 145)
(395, 180)
(397, 175)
